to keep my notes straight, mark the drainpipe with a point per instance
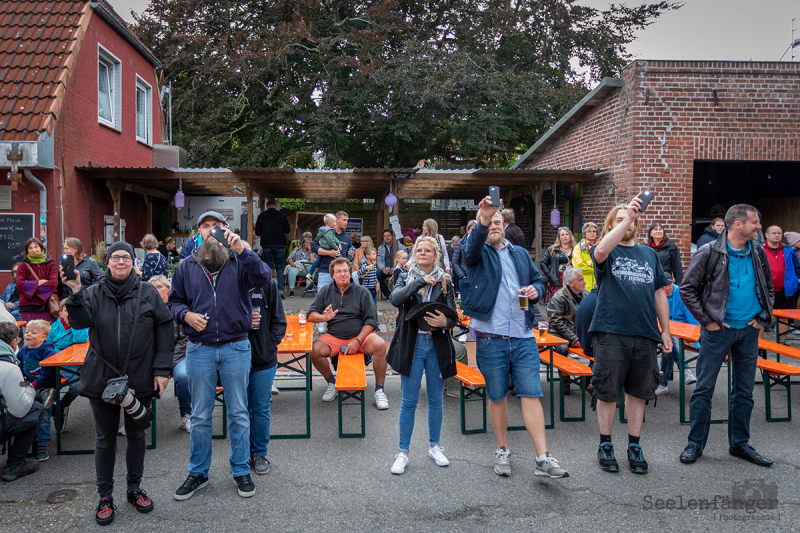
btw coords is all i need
(42, 202)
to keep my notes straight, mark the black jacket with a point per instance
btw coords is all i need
(709, 235)
(551, 265)
(706, 296)
(111, 326)
(401, 350)
(457, 266)
(515, 235)
(670, 259)
(561, 309)
(264, 341)
(272, 227)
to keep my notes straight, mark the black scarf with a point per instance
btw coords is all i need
(118, 289)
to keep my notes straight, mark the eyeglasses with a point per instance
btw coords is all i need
(341, 272)
(120, 259)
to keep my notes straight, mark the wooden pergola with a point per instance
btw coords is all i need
(312, 184)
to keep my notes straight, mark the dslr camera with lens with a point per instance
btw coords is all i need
(118, 392)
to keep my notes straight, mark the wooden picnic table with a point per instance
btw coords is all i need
(787, 315)
(297, 342)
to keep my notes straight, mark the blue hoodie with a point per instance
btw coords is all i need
(63, 338)
(227, 304)
(40, 376)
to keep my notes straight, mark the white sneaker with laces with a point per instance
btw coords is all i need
(275, 390)
(186, 423)
(380, 400)
(400, 463)
(689, 377)
(662, 389)
(436, 453)
(330, 393)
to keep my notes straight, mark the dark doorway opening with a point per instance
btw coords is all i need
(773, 187)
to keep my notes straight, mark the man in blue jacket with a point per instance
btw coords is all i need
(499, 272)
(211, 295)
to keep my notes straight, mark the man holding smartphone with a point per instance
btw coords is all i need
(211, 296)
(630, 307)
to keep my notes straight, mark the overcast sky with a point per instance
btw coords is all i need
(760, 30)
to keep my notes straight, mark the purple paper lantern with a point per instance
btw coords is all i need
(391, 200)
(179, 198)
(555, 218)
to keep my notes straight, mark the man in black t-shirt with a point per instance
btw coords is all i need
(625, 330)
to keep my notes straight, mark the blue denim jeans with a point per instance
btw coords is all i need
(374, 294)
(323, 278)
(424, 359)
(259, 394)
(742, 345)
(668, 361)
(498, 358)
(232, 363)
(273, 256)
(43, 436)
(182, 387)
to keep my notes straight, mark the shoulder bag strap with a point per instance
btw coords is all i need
(444, 284)
(32, 271)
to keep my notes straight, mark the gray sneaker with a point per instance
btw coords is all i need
(330, 393)
(502, 465)
(261, 464)
(549, 467)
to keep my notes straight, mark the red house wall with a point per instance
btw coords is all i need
(649, 132)
(76, 206)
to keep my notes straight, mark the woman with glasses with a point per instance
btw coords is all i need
(556, 260)
(130, 328)
(581, 254)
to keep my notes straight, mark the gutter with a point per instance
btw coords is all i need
(126, 32)
(42, 202)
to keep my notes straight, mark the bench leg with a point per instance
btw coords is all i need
(581, 382)
(769, 382)
(466, 395)
(359, 397)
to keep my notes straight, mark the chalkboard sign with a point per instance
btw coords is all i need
(15, 229)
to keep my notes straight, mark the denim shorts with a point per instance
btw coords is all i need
(500, 357)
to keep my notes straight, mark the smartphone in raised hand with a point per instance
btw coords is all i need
(68, 264)
(218, 232)
(645, 197)
(494, 194)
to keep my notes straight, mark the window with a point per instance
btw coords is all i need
(109, 75)
(144, 111)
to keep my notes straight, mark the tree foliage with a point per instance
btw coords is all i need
(381, 82)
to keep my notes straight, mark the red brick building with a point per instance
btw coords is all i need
(701, 135)
(78, 89)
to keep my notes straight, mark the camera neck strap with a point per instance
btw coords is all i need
(130, 340)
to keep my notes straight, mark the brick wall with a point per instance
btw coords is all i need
(666, 115)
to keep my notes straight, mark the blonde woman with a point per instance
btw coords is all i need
(581, 254)
(556, 260)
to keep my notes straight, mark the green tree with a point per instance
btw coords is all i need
(382, 82)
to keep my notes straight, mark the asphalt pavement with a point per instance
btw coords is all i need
(325, 483)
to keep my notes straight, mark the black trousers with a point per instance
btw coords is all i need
(106, 424)
(23, 430)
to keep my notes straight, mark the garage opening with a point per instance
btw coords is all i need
(773, 187)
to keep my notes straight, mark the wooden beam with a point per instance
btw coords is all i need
(148, 224)
(138, 189)
(249, 233)
(538, 188)
(115, 196)
(259, 189)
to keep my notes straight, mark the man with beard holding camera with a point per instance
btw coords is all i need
(211, 295)
(130, 336)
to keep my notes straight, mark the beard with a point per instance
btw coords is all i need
(496, 238)
(211, 255)
(630, 234)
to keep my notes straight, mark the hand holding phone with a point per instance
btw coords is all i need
(68, 264)
(645, 198)
(494, 194)
(218, 232)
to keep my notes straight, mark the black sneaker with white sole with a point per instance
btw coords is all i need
(245, 486)
(606, 459)
(192, 484)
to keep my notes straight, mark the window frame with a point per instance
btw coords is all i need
(148, 111)
(114, 67)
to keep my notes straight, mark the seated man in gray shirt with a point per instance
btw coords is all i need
(351, 318)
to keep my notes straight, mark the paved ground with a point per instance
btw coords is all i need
(325, 483)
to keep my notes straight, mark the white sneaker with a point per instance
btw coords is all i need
(689, 377)
(121, 431)
(330, 393)
(662, 389)
(380, 400)
(435, 453)
(275, 390)
(186, 423)
(400, 463)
